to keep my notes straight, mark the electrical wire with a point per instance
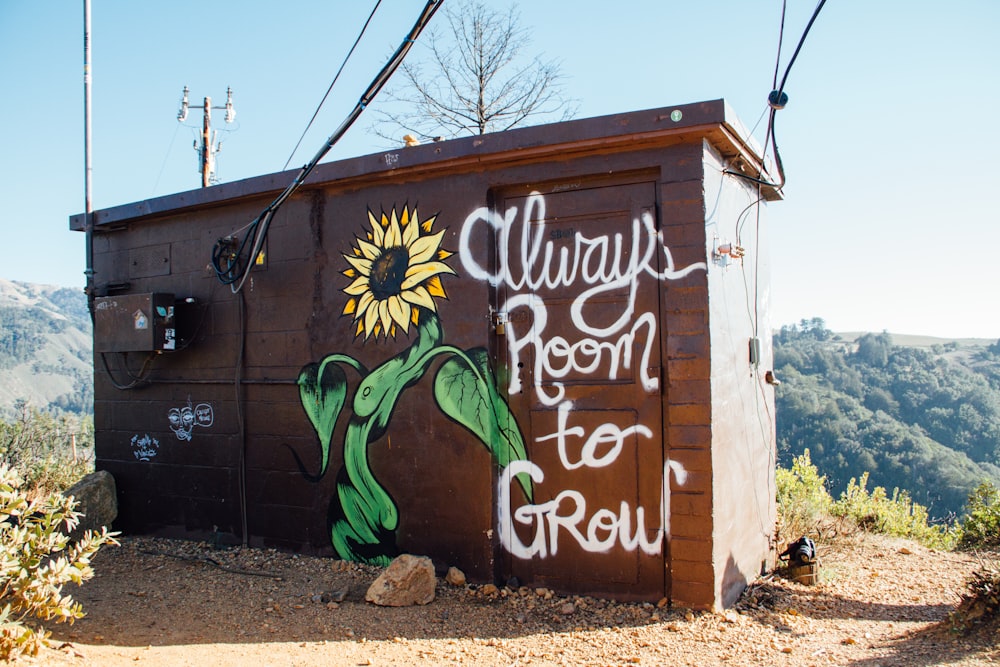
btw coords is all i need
(232, 266)
(136, 380)
(156, 183)
(776, 102)
(333, 83)
(240, 418)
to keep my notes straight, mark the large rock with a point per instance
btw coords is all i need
(97, 499)
(407, 581)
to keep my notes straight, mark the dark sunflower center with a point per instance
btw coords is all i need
(388, 271)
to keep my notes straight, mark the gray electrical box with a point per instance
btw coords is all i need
(135, 323)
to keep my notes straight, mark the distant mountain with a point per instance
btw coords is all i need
(923, 417)
(45, 348)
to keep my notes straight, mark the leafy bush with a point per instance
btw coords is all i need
(805, 507)
(898, 515)
(981, 526)
(40, 447)
(803, 502)
(36, 561)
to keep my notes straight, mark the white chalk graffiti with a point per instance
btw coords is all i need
(599, 266)
(587, 271)
(602, 435)
(603, 530)
(183, 420)
(145, 448)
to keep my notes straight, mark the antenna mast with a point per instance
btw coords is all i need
(88, 211)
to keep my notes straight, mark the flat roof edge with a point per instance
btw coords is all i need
(713, 120)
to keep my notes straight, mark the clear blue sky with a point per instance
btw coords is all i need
(889, 139)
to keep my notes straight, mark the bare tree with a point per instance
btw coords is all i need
(473, 79)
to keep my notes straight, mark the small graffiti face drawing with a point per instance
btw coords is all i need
(183, 420)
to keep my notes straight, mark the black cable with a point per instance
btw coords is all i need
(238, 385)
(137, 380)
(798, 48)
(210, 561)
(232, 268)
(334, 82)
(781, 39)
(777, 100)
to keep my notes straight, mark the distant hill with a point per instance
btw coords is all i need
(918, 413)
(45, 348)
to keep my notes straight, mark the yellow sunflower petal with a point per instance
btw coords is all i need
(369, 250)
(399, 311)
(360, 328)
(362, 264)
(371, 320)
(428, 224)
(444, 254)
(423, 249)
(419, 296)
(435, 287)
(411, 228)
(350, 273)
(421, 272)
(351, 306)
(385, 319)
(364, 303)
(358, 287)
(377, 234)
(415, 317)
(393, 235)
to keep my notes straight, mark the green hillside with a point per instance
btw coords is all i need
(923, 417)
(45, 349)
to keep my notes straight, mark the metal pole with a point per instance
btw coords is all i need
(88, 216)
(206, 144)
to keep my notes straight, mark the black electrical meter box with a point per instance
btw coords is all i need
(135, 323)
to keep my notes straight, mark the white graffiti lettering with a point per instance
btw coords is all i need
(604, 434)
(611, 335)
(145, 448)
(602, 531)
(607, 265)
(556, 357)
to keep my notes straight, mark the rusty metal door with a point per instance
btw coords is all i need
(578, 334)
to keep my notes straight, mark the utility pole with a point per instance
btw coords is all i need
(209, 146)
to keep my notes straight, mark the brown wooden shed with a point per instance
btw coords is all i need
(538, 354)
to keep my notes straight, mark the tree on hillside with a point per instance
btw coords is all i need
(473, 79)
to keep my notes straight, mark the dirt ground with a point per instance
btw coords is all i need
(160, 603)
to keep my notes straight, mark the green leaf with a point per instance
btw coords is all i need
(323, 389)
(469, 395)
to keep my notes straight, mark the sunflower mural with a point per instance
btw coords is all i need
(396, 275)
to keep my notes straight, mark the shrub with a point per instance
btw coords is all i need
(39, 446)
(876, 512)
(36, 561)
(981, 526)
(803, 502)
